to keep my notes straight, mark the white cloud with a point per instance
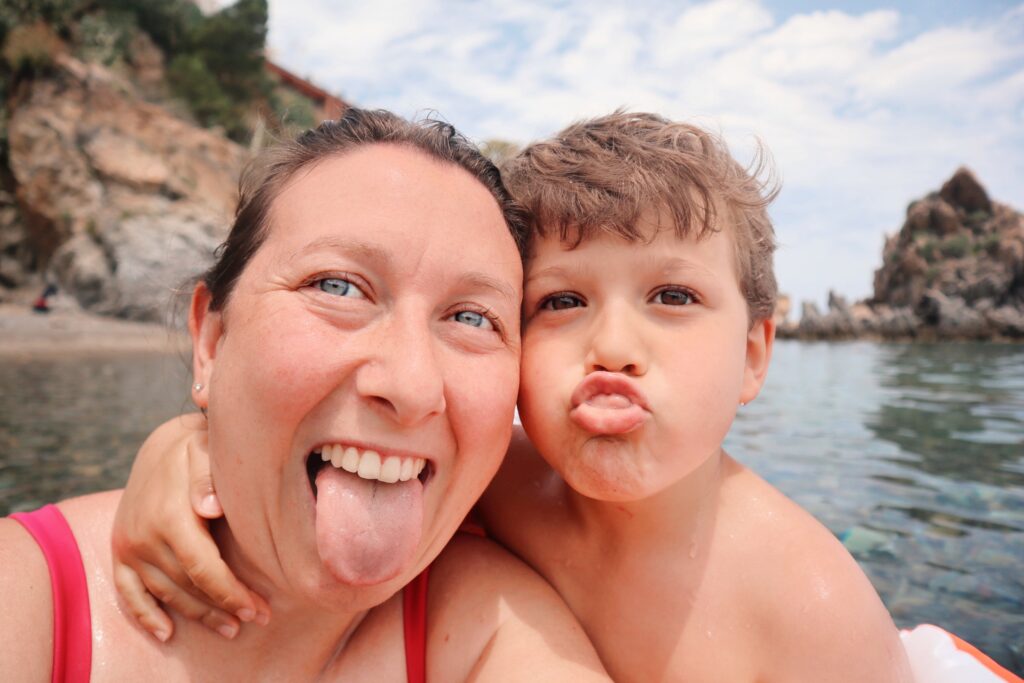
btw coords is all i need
(861, 114)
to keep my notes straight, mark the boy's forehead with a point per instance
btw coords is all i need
(657, 247)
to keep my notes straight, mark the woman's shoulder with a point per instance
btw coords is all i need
(491, 616)
(26, 631)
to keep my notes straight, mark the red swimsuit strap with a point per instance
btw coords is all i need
(414, 622)
(72, 625)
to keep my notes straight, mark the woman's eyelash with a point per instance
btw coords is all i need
(343, 285)
(484, 313)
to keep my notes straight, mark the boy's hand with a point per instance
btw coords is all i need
(160, 545)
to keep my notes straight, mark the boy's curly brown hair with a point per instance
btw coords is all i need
(599, 175)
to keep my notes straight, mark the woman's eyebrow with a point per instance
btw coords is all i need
(348, 246)
(478, 280)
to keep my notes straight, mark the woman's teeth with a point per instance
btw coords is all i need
(368, 464)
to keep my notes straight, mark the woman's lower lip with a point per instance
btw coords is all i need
(608, 420)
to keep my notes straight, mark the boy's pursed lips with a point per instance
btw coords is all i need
(608, 403)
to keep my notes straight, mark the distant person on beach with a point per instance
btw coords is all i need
(647, 323)
(41, 305)
(365, 307)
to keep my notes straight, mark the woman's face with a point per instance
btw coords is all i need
(377, 325)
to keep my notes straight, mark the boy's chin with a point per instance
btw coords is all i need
(611, 471)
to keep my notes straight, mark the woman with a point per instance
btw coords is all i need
(363, 315)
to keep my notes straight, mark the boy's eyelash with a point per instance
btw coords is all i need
(677, 288)
(542, 304)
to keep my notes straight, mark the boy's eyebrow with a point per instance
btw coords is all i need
(671, 264)
(552, 271)
(677, 263)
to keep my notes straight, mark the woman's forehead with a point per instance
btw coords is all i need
(386, 202)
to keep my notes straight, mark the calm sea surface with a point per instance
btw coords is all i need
(913, 454)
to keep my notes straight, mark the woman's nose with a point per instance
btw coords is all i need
(616, 344)
(402, 376)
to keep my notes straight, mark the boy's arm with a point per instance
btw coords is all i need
(161, 546)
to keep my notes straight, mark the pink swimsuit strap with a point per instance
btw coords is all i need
(414, 622)
(72, 625)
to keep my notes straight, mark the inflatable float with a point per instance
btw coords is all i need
(937, 656)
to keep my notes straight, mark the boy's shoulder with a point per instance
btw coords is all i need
(807, 594)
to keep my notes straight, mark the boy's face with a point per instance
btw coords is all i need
(635, 358)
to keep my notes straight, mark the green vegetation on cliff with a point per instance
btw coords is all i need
(214, 63)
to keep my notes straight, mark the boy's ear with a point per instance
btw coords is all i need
(206, 328)
(760, 339)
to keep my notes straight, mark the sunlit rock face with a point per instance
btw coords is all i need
(119, 198)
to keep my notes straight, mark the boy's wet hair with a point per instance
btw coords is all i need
(600, 175)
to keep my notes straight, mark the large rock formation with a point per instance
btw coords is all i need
(119, 199)
(954, 271)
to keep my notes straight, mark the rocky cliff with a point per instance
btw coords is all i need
(955, 270)
(117, 198)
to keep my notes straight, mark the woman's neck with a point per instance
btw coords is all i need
(304, 636)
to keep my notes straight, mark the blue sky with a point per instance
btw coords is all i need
(864, 105)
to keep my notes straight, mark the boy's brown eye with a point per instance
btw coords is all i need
(673, 297)
(560, 302)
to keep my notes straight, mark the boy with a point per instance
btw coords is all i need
(646, 324)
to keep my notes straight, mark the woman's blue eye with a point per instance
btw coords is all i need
(673, 297)
(474, 319)
(340, 287)
(560, 302)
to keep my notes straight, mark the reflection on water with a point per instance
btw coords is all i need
(70, 426)
(913, 453)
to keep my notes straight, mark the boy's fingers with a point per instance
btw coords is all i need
(187, 604)
(200, 559)
(141, 604)
(201, 491)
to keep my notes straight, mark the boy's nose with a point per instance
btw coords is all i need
(402, 377)
(616, 346)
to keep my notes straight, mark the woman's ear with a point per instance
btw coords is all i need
(760, 339)
(206, 328)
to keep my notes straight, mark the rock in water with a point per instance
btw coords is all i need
(955, 270)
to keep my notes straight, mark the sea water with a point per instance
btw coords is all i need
(913, 454)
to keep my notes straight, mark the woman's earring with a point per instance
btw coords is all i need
(197, 387)
(742, 403)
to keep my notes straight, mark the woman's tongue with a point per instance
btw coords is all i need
(366, 531)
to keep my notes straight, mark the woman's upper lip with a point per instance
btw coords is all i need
(602, 382)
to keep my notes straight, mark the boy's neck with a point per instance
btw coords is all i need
(678, 516)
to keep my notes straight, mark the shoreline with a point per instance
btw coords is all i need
(69, 332)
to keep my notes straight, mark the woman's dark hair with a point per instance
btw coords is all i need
(268, 173)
